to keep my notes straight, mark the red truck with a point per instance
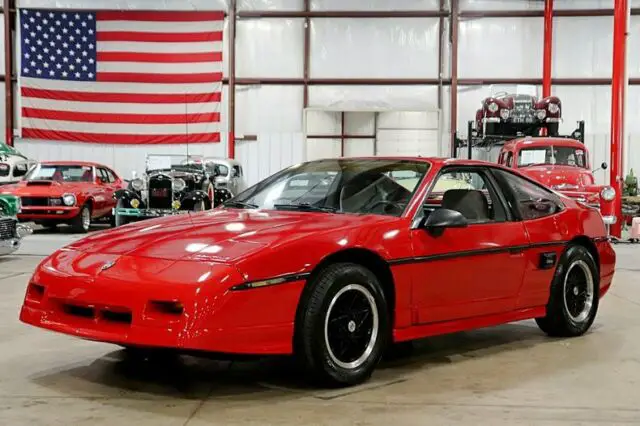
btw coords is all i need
(563, 164)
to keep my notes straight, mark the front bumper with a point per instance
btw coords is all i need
(127, 304)
(146, 213)
(55, 213)
(9, 246)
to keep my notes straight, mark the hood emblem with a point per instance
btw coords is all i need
(107, 265)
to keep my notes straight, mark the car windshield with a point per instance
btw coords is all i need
(61, 173)
(165, 162)
(361, 186)
(552, 155)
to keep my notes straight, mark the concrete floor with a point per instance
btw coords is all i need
(508, 375)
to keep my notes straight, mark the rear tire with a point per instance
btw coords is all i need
(343, 326)
(82, 222)
(574, 297)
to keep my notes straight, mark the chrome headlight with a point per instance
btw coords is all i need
(493, 107)
(608, 193)
(504, 113)
(541, 114)
(137, 184)
(69, 199)
(553, 108)
(179, 184)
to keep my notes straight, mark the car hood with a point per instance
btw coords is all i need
(559, 177)
(42, 188)
(219, 235)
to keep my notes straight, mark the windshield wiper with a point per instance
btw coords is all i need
(305, 207)
(240, 204)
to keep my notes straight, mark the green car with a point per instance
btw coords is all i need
(11, 232)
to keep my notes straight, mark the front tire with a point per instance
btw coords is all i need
(82, 222)
(343, 325)
(574, 298)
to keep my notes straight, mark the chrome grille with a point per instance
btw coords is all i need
(160, 192)
(8, 228)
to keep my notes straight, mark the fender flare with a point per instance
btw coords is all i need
(126, 194)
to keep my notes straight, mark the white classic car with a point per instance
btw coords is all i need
(13, 164)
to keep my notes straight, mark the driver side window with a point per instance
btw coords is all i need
(467, 192)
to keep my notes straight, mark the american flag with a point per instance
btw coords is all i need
(122, 77)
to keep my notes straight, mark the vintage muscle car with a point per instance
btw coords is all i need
(13, 164)
(11, 232)
(562, 164)
(333, 261)
(66, 192)
(171, 184)
(508, 114)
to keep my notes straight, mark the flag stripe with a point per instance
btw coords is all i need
(145, 47)
(119, 139)
(68, 95)
(92, 86)
(159, 27)
(159, 37)
(159, 57)
(138, 107)
(90, 117)
(159, 16)
(164, 68)
(120, 128)
(118, 77)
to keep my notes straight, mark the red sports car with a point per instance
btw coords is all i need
(56, 192)
(333, 261)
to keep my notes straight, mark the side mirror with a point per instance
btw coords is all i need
(603, 166)
(441, 219)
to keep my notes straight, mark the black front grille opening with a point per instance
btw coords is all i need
(35, 291)
(116, 316)
(79, 311)
(167, 307)
(160, 193)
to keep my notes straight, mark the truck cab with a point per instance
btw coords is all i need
(562, 164)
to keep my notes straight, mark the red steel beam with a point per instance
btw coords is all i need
(231, 142)
(453, 122)
(617, 108)
(8, 72)
(307, 54)
(548, 48)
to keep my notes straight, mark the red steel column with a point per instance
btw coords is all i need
(231, 142)
(548, 48)
(620, 15)
(453, 122)
(8, 71)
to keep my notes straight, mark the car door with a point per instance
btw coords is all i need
(472, 271)
(100, 190)
(541, 212)
(114, 184)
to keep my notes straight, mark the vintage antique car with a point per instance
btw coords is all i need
(171, 184)
(11, 232)
(334, 261)
(509, 114)
(13, 164)
(66, 192)
(228, 173)
(563, 164)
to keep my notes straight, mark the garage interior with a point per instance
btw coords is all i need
(310, 79)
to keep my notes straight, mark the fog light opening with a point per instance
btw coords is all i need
(168, 307)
